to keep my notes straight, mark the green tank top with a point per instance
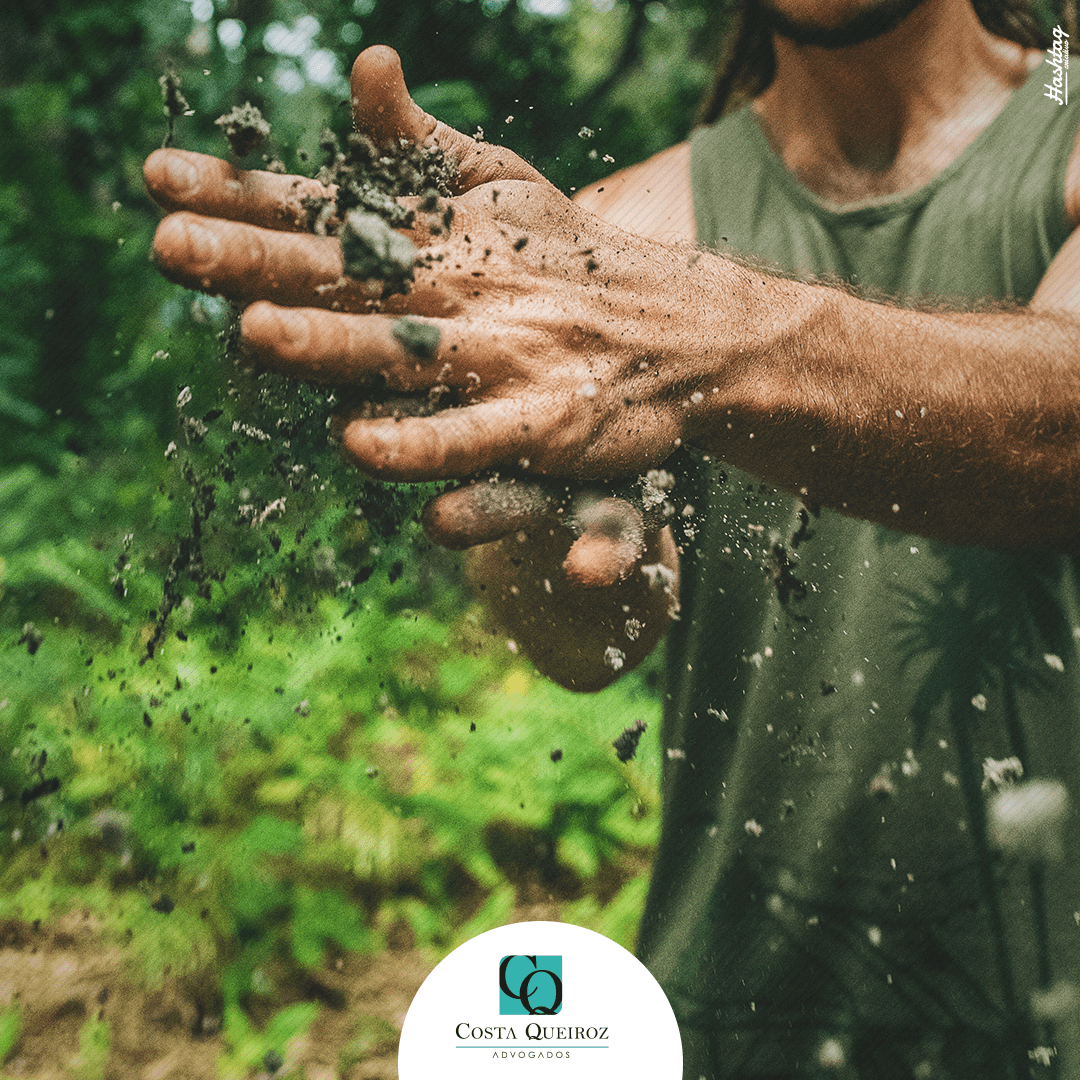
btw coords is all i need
(829, 896)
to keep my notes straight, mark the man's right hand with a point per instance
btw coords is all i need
(608, 542)
(608, 545)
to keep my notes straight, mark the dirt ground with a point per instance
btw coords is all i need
(64, 973)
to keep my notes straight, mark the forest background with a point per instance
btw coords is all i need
(262, 761)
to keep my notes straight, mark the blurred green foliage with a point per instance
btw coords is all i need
(329, 782)
(280, 743)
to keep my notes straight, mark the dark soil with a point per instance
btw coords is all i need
(627, 743)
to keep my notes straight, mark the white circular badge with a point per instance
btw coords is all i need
(540, 999)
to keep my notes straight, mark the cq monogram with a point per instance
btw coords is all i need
(538, 989)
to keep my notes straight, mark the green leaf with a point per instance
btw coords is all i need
(324, 915)
(93, 1055)
(10, 1027)
(269, 835)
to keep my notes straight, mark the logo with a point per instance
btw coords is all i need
(614, 1021)
(530, 985)
(1057, 89)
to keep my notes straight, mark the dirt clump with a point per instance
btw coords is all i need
(627, 743)
(174, 102)
(371, 250)
(244, 127)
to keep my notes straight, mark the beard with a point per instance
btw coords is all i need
(883, 16)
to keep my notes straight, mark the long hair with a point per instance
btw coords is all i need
(749, 64)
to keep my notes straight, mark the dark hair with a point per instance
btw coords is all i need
(749, 64)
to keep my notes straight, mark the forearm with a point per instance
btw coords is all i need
(582, 638)
(963, 427)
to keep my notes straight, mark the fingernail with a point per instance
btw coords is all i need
(181, 176)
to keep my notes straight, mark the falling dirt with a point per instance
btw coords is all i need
(627, 743)
(245, 128)
(174, 102)
(261, 452)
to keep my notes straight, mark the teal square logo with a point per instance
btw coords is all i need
(530, 985)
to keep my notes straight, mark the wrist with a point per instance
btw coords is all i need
(765, 391)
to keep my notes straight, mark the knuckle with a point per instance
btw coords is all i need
(280, 332)
(184, 244)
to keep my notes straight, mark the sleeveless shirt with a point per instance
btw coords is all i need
(838, 889)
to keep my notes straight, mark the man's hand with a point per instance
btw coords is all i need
(581, 637)
(384, 111)
(543, 319)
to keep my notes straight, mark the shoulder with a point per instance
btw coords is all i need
(652, 199)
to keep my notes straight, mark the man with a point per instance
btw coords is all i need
(857, 662)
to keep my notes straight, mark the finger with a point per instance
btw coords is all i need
(610, 546)
(181, 180)
(486, 511)
(331, 346)
(412, 353)
(451, 445)
(384, 110)
(245, 262)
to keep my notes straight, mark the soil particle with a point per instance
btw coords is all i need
(627, 743)
(804, 532)
(781, 572)
(244, 127)
(420, 339)
(40, 790)
(371, 250)
(32, 638)
(175, 104)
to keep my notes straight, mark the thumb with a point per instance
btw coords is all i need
(611, 542)
(384, 111)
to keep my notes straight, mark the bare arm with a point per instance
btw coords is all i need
(962, 427)
(598, 352)
(875, 411)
